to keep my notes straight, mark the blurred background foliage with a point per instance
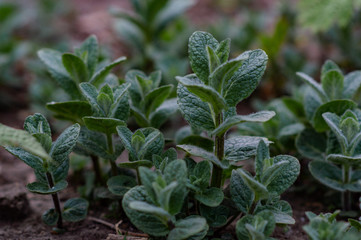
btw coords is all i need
(298, 36)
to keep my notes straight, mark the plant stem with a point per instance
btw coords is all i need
(55, 200)
(111, 152)
(96, 168)
(219, 152)
(138, 177)
(346, 195)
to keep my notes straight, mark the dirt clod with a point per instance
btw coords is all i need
(14, 203)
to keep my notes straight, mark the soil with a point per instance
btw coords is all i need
(90, 16)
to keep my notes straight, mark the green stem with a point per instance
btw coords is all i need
(55, 200)
(138, 177)
(346, 195)
(96, 168)
(111, 152)
(219, 152)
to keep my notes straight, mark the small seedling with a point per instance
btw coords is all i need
(50, 161)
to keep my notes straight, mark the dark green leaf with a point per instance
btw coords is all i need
(103, 125)
(328, 174)
(241, 148)
(199, 141)
(211, 197)
(185, 228)
(241, 194)
(50, 217)
(312, 144)
(119, 185)
(332, 84)
(72, 110)
(43, 188)
(75, 67)
(75, 209)
(156, 97)
(100, 75)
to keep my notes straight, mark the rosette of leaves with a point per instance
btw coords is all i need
(341, 170)
(150, 105)
(258, 196)
(325, 227)
(155, 32)
(207, 98)
(153, 206)
(71, 69)
(50, 161)
(143, 146)
(109, 109)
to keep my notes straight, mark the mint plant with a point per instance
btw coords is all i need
(207, 99)
(325, 226)
(341, 170)
(50, 161)
(150, 105)
(258, 197)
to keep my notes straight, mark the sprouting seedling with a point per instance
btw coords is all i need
(50, 161)
(153, 206)
(207, 99)
(345, 179)
(150, 105)
(258, 196)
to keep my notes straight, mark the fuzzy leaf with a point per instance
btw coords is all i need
(194, 110)
(211, 197)
(259, 190)
(216, 217)
(145, 222)
(343, 159)
(90, 46)
(156, 97)
(352, 86)
(37, 123)
(91, 94)
(43, 188)
(262, 153)
(337, 106)
(198, 141)
(198, 56)
(205, 93)
(11, 137)
(125, 136)
(154, 143)
(314, 85)
(328, 174)
(119, 185)
(245, 80)
(241, 148)
(75, 209)
(99, 76)
(52, 60)
(332, 84)
(163, 112)
(50, 217)
(31, 160)
(75, 67)
(241, 194)
(199, 152)
(311, 144)
(102, 124)
(71, 110)
(185, 228)
(262, 116)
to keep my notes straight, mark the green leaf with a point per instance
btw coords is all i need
(211, 197)
(314, 85)
(224, 72)
(185, 228)
(120, 106)
(197, 51)
(337, 106)
(285, 176)
(75, 209)
(99, 76)
(136, 164)
(332, 84)
(37, 123)
(241, 230)
(91, 93)
(311, 144)
(213, 60)
(150, 209)
(262, 116)
(205, 93)
(90, 46)
(194, 110)
(75, 67)
(261, 155)
(156, 97)
(311, 102)
(119, 185)
(216, 217)
(145, 222)
(245, 80)
(202, 174)
(223, 50)
(102, 124)
(72, 110)
(241, 194)
(352, 86)
(329, 65)
(11, 137)
(125, 136)
(199, 152)
(198, 141)
(241, 148)
(343, 159)
(154, 143)
(259, 190)
(163, 112)
(64, 145)
(50, 217)
(147, 177)
(176, 171)
(333, 121)
(31, 160)
(43, 188)
(328, 174)
(52, 60)
(294, 106)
